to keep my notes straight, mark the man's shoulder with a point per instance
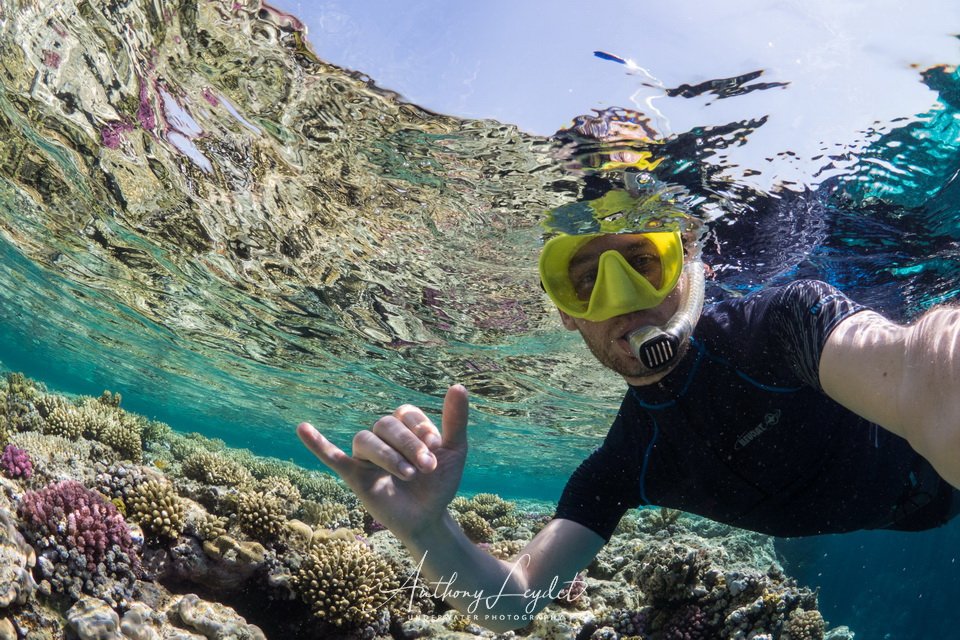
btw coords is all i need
(754, 304)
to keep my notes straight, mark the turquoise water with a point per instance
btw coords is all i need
(236, 237)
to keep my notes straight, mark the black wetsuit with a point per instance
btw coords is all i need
(741, 432)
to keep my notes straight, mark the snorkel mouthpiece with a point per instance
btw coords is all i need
(657, 347)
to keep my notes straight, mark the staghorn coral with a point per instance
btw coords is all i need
(82, 539)
(260, 515)
(16, 463)
(214, 468)
(345, 584)
(157, 508)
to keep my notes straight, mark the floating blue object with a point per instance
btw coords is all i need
(603, 55)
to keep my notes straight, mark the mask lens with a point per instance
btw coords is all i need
(599, 276)
(638, 253)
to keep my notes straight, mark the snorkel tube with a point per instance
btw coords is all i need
(657, 347)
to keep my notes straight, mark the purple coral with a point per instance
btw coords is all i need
(689, 623)
(16, 463)
(78, 518)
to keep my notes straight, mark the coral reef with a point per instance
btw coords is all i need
(17, 559)
(107, 560)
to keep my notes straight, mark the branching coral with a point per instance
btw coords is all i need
(261, 516)
(82, 540)
(77, 517)
(346, 584)
(804, 625)
(158, 509)
(213, 468)
(476, 528)
(16, 463)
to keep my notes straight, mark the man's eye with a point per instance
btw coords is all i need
(584, 283)
(644, 263)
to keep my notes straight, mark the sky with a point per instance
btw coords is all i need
(849, 63)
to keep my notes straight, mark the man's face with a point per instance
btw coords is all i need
(607, 340)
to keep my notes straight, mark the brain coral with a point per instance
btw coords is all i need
(345, 583)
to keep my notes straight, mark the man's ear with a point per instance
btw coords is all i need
(567, 320)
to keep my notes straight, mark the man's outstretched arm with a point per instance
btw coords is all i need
(904, 378)
(406, 471)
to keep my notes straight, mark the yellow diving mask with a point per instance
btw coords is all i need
(597, 276)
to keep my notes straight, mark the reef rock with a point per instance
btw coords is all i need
(17, 559)
(216, 621)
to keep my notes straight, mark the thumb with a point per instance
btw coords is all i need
(456, 407)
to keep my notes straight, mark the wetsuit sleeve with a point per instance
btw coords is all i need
(606, 484)
(803, 314)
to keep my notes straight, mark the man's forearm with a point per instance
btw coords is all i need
(493, 592)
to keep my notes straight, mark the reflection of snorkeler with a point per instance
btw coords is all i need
(792, 411)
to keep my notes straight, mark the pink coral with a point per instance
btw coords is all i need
(16, 463)
(78, 518)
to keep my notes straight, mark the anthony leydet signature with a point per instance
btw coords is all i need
(444, 588)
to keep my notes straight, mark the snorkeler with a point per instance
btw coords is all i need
(792, 411)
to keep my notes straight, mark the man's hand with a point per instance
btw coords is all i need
(404, 470)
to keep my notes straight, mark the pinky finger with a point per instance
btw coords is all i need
(328, 453)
